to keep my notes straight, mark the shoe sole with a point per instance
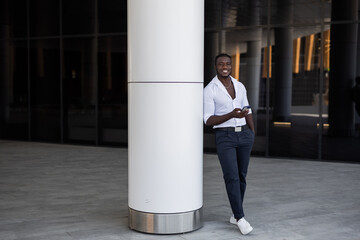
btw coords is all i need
(247, 232)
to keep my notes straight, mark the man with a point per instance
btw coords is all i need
(224, 102)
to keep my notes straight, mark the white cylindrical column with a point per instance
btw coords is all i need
(165, 85)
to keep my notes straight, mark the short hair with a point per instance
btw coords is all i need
(222, 55)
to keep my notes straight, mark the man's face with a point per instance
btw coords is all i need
(223, 67)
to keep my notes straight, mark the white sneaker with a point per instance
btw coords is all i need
(233, 220)
(244, 226)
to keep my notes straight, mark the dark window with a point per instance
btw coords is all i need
(45, 90)
(79, 85)
(14, 91)
(44, 18)
(78, 16)
(112, 65)
(112, 16)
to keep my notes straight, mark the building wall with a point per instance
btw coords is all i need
(64, 72)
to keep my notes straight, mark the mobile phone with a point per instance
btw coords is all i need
(246, 108)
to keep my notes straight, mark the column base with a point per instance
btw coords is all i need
(160, 223)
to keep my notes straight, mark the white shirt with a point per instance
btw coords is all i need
(217, 101)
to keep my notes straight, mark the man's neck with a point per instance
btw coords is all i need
(224, 79)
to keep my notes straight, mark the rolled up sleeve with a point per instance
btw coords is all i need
(245, 101)
(209, 106)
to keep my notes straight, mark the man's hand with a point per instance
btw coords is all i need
(237, 113)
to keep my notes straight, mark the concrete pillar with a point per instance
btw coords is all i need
(283, 64)
(4, 67)
(342, 67)
(213, 42)
(211, 51)
(358, 49)
(89, 71)
(165, 85)
(253, 73)
(253, 56)
(357, 116)
(283, 74)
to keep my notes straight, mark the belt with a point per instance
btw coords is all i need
(233, 129)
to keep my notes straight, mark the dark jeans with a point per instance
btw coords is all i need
(233, 149)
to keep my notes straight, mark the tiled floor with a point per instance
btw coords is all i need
(62, 192)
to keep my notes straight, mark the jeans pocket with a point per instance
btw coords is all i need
(251, 134)
(220, 136)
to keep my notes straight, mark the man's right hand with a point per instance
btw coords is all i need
(237, 113)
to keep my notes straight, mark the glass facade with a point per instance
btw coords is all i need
(64, 72)
(45, 90)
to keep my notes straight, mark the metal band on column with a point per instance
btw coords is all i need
(165, 223)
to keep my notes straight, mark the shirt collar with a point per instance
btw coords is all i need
(219, 83)
(222, 87)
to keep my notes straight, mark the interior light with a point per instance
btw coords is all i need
(237, 63)
(296, 55)
(325, 125)
(309, 45)
(282, 124)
